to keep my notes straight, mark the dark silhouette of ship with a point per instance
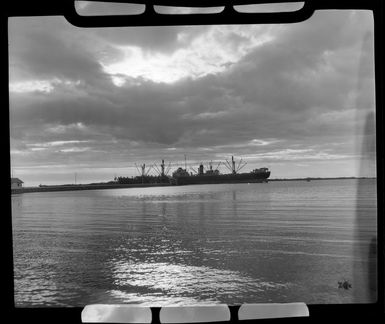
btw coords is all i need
(183, 177)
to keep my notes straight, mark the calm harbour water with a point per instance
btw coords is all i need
(235, 243)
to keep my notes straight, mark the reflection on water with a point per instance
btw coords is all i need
(179, 283)
(276, 242)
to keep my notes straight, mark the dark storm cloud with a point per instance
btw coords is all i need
(48, 48)
(48, 56)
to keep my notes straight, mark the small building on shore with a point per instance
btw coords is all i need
(16, 183)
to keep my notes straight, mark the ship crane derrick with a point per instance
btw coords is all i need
(218, 166)
(142, 171)
(194, 170)
(162, 169)
(231, 165)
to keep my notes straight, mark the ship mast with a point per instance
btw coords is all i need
(143, 173)
(162, 169)
(163, 172)
(231, 166)
(185, 163)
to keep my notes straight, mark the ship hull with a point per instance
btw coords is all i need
(223, 178)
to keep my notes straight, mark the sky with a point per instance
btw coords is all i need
(91, 103)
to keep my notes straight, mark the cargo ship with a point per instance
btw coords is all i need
(200, 176)
(183, 177)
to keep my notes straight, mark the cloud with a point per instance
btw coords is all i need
(294, 155)
(152, 39)
(210, 52)
(31, 86)
(56, 143)
(48, 49)
(278, 92)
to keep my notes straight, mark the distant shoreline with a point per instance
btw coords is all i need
(96, 186)
(313, 179)
(73, 187)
